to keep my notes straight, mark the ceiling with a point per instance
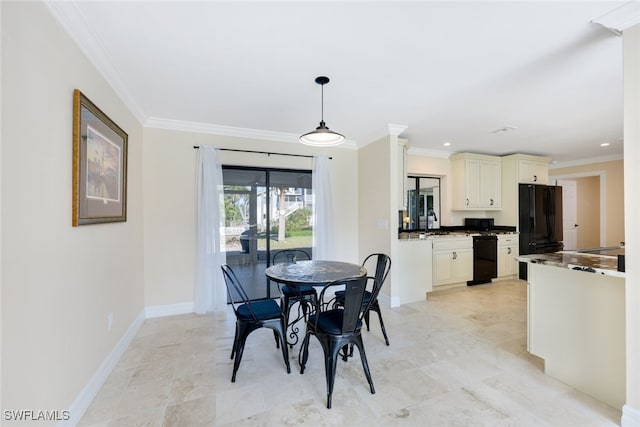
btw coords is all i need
(449, 71)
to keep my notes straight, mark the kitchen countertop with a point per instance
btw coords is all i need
(600, 264)
(422, 235)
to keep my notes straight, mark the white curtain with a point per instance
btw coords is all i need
(209, 290)
(322, 210)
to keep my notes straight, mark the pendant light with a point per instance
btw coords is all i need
(322, 136)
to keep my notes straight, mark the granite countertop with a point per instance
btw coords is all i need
(414, 235)
(421, 235)
(600, 264)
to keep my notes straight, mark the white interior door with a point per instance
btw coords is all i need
(569, 213)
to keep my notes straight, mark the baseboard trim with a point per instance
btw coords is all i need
(393, 302)
(168, 310)
(630, 417)
(88, 393)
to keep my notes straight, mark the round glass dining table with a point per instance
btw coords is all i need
(313, 272)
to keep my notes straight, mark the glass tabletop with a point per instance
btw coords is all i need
(314, 272)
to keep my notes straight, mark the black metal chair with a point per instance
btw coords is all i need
(302, 294)
(336, 328)
(252, 315)
(383, 265)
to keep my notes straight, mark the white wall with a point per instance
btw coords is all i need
(1, 405)
(631, 45)
(169, 200)
(58, 282)
(375, 182)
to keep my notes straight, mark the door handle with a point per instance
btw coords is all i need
(467, 202)
(455, 255)
(508, 251)
(575, 225)
(535, 178)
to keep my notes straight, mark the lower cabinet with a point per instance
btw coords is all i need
(508, 250)
(413, 274)
(452, 260)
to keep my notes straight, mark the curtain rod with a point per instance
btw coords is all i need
(263, 152)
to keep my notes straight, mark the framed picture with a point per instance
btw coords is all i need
(99, 165)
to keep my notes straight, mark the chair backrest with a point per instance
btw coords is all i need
(383, 266)
(235, 291)
(354, 288)
(290, 255)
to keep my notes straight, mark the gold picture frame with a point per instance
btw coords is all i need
(99, 165)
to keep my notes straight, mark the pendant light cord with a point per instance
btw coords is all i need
(322, 103)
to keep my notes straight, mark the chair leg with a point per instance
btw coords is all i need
(243, 333)
(304, 349)
(384, 331)
(345, 352)
(235, 342)
(331, 351)
(280, 336)
(275, 335)
(365, 364)
(366, 319)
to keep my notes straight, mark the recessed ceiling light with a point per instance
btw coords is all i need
(605, 144)
(447, 144)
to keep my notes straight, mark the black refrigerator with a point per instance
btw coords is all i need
(540, 220)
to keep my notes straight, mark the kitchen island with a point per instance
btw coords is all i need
(576, 321)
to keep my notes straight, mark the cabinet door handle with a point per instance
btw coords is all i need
(491, 202)
(508, 251)
(467, 202)
(535, 178)
(455, 255)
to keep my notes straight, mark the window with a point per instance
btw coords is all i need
(423, 204)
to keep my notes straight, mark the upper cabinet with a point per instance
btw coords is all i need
(532, 169)
(517, 169)
(477, 182)
(402, 174)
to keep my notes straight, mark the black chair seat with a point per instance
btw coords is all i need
(330, 322)
(263, 310)
(298, 290)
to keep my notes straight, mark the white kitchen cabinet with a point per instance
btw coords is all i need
(517, 169)
(532, 171)
(452, 260)
(477, 182)
(414, 274)
(508, 249)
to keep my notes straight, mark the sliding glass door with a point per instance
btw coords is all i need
(266, 210)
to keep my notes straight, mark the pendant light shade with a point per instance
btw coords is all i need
(322, 136)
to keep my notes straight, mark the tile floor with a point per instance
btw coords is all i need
(458, 359)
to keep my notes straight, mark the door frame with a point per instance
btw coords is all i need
(603, 195)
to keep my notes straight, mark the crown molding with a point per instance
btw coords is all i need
(396, 130)
(75, 24)
(425, 152)
(588, 161)
(620, 18)
(211, 129)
